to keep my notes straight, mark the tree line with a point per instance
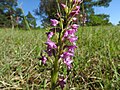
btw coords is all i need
(13, 16)
(87, 14)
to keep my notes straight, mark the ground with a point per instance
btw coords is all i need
(96, 63)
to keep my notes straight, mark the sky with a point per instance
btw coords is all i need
(30, 5)
(113, 10)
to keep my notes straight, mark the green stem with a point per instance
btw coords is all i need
(83, 12)
(54, 75)
(55, 69)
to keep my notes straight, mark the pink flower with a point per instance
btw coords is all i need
(66, 34)
(54, 22)
(72, 31)
(62, 82)
(58, 14)
(74, 19)
(49, 34)
(63, 5)
(71, 48)
(66, 54)
(77, 8)
(68, 62)
(43, 59)
(72, 39)
(75, 26)
(75, 11)
(51, 44)
(50, 48)
(49, 51)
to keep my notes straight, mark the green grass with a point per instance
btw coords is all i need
(96, 62)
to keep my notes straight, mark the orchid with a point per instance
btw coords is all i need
(66, 54)
(68, 62)
(49, 34)
(61, 41)
(51, 44)
(63, 5)
(43, 59)
(71, 48)
(74, 19)
(54, 22)
(75, 26)
(62, 82)
(72, 39)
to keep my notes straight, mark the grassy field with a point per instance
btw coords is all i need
(96, 61)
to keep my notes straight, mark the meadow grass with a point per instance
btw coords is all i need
(96, 63)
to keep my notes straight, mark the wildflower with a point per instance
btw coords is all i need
(69, 33)
(66, 54)
(49, 34)
(72, 39)
(43, 59)
(68, 62)
(77, 8)
(50, 51)
(66, 34)
(51, 44)
(75, 26)
(75, 11)
(74, 19)
(54, 22)
(67, 59)
(64, 46)
(63, 5)
(62, 82)
(58, 14)
(71, 48)
(72, 31)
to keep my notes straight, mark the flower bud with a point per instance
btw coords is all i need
(58, 14)
(65, 7)
(61, 23)
(66, 10)
(71, 1)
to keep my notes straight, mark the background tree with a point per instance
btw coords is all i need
(47, 8)
(98, 19)
(28, 21)
(31, 20)
(118, 23)
(8, 13)
(12, 16)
